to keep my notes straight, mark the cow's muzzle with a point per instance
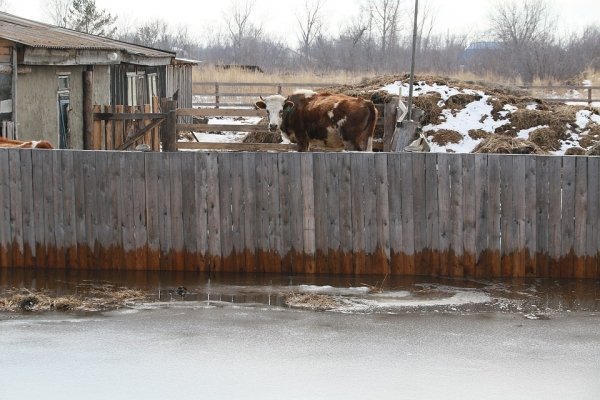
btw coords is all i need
(273, 127)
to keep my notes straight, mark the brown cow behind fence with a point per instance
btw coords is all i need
(34, 144)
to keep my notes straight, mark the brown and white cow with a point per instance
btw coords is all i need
(322, 119)
(19, 144)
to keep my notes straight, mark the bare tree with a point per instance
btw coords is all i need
(521, 26)
(240, 26)
(310, 24)
(57, 11)
(386, 20)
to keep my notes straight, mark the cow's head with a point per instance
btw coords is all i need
(276, 106)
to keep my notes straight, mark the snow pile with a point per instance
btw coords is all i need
(467, 116)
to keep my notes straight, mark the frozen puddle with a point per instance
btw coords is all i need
(359, 299)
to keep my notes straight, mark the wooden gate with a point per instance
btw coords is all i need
(124, 127)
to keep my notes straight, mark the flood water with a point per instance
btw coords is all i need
(236, 336)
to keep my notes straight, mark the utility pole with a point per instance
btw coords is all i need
(412, 63)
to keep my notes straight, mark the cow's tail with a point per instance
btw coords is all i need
(371, 123)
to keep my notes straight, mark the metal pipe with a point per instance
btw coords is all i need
(412, 63)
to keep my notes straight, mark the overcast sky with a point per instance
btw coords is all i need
(278, 19)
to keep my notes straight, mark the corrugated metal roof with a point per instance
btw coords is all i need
(37, 34)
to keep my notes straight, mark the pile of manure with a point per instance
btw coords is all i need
(507, 145)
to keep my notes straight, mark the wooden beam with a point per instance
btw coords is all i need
(221, 112)
(116, 116)
(139, 134)
(237, 146)
(220, 128)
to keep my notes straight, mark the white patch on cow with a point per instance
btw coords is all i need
(335, 105)
(306, 92)
(330, 113)
(275, 109)
(34, 143)
(341, 122)
(370, 144)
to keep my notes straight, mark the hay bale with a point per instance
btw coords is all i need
(575, 151)
(460, 101)
(429, 104)
(507, 145)
(263, 137)
(547, 138)
(445, 136)
(477, 134)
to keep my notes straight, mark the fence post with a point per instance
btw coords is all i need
(590, 96)
(169, 133)
(217, 95)
(88, 110)
(390, 112)
(279, 89)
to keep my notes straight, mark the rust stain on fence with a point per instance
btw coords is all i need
(423, 263)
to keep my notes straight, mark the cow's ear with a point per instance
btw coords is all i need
(288, 105)
(260, 105)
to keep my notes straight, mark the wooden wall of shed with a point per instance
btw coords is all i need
(37, 101)
(6, 76)
(118, 81)
(179, 77)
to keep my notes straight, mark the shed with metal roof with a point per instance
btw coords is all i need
(46, 72)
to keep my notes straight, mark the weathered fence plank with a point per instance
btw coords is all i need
(332, 188)
(419, 213)
(308, 212)
(225, 203)
(482, 199)
(567, 232)
(28, 208)
(541, 221)
(517, 225)
(431, 215)
(581, 216)
(79, 182)
(456, 217)
(274, 232)
(444, 213)
(593, 219)
(250, 212)
(5, 235)
(347, 264)
(136, 163)
(554, 214)
(237, 212)
(70, 221)
(37, 165)
(286, 192)
(469, 211)
(320, 190)
(530, 240)
(507, 215)
(383, 217)
(494, 220)
(214, 213)
(151, 171)
(16, 207)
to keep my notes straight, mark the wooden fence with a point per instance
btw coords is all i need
(457, 215)
(564, 99)
(226, 96)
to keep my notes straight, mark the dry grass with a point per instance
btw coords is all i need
(546, 138)
(575, 151)
(263, 137)
(312, 301)
(445, 136)
(429, 104)
(477, 134)
(89, 298)
(507, 145)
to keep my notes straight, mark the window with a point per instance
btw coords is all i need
(64, 82)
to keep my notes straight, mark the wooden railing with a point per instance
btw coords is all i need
(545, 89)
(224, 95)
